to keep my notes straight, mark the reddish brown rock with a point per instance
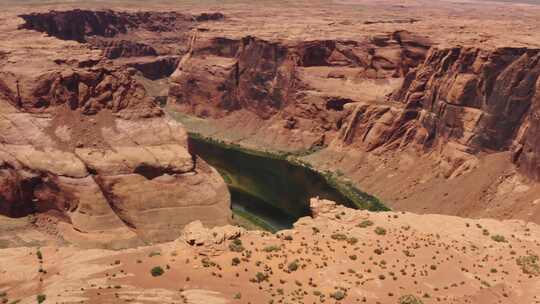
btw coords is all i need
(298, 85)
(472, 100)
(89, 147)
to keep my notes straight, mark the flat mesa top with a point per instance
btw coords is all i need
(477, 23)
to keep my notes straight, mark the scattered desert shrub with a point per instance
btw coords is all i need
(236, 245)
(338, 295)
(41, 298)
(352, 240)
(271, 248)
(409, 299)
(365, 223)
(498, 238)
(339, 237)
(529, 264)
(293, 266)
(260, 277)
(157, 271)
(380, 231)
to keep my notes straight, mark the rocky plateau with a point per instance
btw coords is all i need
(431, 106)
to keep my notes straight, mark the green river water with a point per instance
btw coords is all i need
(271, 190)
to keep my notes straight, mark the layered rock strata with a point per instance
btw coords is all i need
(89, 148)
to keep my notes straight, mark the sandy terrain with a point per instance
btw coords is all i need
(369, 257)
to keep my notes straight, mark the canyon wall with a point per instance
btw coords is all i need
(381, 94)
(89, 152)
(372, 106)
(470, 101)
(290, 95)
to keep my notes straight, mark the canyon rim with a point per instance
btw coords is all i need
(346, 151)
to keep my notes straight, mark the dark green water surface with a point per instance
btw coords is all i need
(270, 190)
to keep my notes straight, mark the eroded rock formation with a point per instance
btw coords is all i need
(90, 148)
(223, 75)
(79, 25)
(467, 101)
(458, 101)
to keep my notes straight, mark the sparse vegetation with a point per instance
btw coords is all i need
(380, 231)
(498, 238)
(271, 248)
(529, 264)
(365, 223)
(409, 299)
(293, 266)
(41, 298)
(259, 277)
(157, 271)
(236, 245)
(338, 295)
(339, 237)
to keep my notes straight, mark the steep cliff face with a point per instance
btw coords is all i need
(113, 49)
(527, 146)
(88, 149)
(379, 105)
(296, 85)
(460, 101)
(472, 101)
(120, 34)
(79, 24)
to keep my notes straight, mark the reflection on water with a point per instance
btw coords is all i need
(273, 190)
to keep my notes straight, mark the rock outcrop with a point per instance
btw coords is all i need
(467, 101)
(209, 241)
(459, 101)
(120, 34)
(90, 148)
(289, 95)
(221, 75)
(79, 25)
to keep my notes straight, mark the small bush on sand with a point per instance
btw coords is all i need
(41, 298)
(338, 295)
(293, 266)
(380, 231)
(409, 299)
(498, 238)
(529, 264)
(157, 271)
(365, 223)
(236, 245)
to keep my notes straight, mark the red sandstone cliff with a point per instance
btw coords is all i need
(89, 149)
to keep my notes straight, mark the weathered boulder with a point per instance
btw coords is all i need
(209, 241)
